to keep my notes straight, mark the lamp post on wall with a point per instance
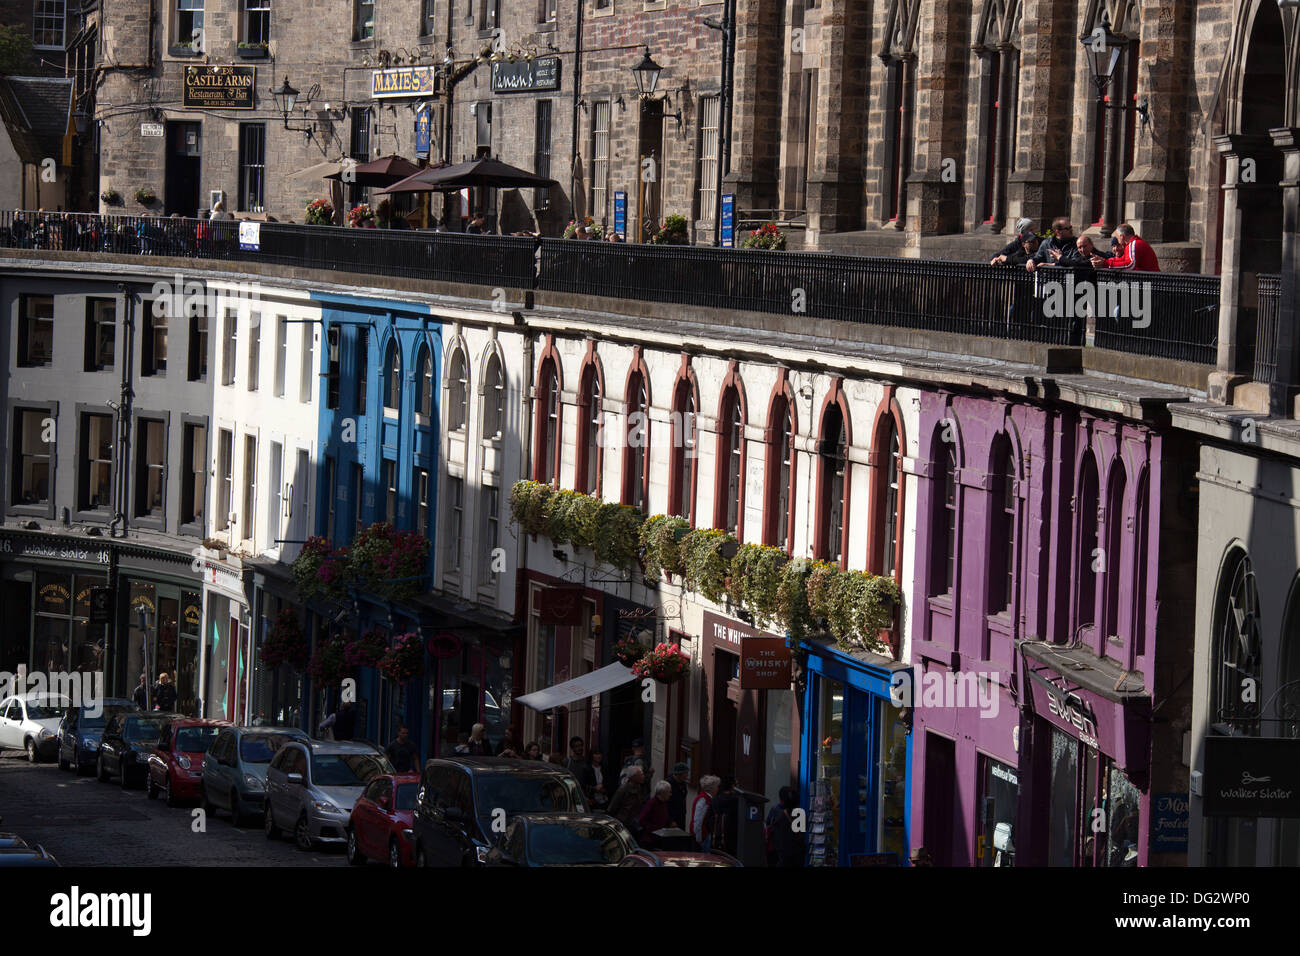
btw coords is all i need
(1103, 48)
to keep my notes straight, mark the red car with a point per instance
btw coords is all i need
(380, 828)
(176, 764)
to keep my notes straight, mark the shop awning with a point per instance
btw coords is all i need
(580, 688)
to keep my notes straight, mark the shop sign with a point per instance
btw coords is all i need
(224, 579)
(764, 658)
(101, 606)
(23, 548)
(525, 76)
(54, 598)
(403, 81)
(560, 605)
(1169, 822)
(1068, 711)
(219, 87)
(1251, 777)
(422, 131)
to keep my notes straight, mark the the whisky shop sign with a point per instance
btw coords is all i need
(219, 87)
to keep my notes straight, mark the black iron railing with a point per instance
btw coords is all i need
(1173, 316)
(1266, 328)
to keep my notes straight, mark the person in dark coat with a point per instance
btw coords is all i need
(345, 722)
(629, 799)
(578, 766)
(788, 847)
(141, 693)
(164, 693)
(1059, 249)
(723, 817)
(654, 815)
(679, 781)
(479, 745)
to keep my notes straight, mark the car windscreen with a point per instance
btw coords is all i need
(526, 793)
(196, 740)
(346, 770)
(406, 796)
(260, 748)
(572, 844)
(87, 722)
(45, 709)
(138, 730)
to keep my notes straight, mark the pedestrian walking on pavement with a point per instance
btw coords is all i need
(164, 693)
(654, 815)
(345, 722)
(141, 694)
(629, 799)
(699, 809)
(680, 782)
(402, 752)
(479, 745)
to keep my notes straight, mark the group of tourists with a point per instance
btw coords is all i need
(1129, 252)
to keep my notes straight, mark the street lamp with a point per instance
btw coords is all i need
(1102, 48)
(146, 621)
(286, 98)
(647, 75)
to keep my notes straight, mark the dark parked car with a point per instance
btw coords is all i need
(234, 768)
(562, 839)
(464, 803)
(678, 858)
(125, 747)
(80, 731)
(175, 767)
(380, 828)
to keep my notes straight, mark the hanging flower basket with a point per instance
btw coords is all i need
(286, 644)
(629, 651)
(661, 538)
(320, 212)
(666, 664)
(367, 650)
(319, 570)
(327, 666)
(362, 216)
(389, 562)
(404, 660)
(145, 196)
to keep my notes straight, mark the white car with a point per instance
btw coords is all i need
(31, 723)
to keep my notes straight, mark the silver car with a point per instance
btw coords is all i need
(311, 786)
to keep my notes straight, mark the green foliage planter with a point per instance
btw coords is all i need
(528, 505)
(792, 599)
(319, 571)
(614, 533)
(855, 605)
(755, 578)
(570, 518)
(661, 545)
(703, 563)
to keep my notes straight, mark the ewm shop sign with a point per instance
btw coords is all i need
(524, 76)
(1251, 777)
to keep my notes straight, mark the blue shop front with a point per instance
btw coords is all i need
(855, 758)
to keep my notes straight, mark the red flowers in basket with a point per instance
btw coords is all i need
(666, 663)
(404, 660)
(629, 651)
(367, 650)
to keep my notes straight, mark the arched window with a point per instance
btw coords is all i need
(731, 469)
(457, 391)
(681, 488)
(637, 448)
(887, 496)
(1089, 562)
(1114, 553)
(494, 399)
(393, 377)
(1236, 655)
(779, 491)
(1141, 516)
(592, 441)
(1287, 704)
(1002, 541)
(943, 564)
(834, 454)
(546, 468)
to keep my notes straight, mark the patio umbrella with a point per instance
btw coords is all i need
(319, 170)
(482, 172)
(379, 172)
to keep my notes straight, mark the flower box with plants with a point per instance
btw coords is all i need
(754, 578)
(628, 651)
(588, 226)
(614, 532)
(251, 51)
(320, 212)
(286, 644)
(327, 666)
(366, 650)
(529, 505)
(661, 538)
(706, 555)
(673, 232)
(403, 661)
(570, 518)
(145, 196)
(389, 562)
(111, 197)
(361, 217)
(768, 236)
(666, 663)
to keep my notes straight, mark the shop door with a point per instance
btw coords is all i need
(184, 156)
(722, 753)
(165, 659)
(940, 764)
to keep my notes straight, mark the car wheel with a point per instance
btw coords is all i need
(420, 859)
(394, 854)
(77, 766)
(236, 811)
(150, 789)
(63, 764)
(302, 834)
(32, 756)
(167, 792)
(126, 778)
(354, 852)
(268, 824)
(101, 773)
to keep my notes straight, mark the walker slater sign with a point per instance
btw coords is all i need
(525, 76)
(219, 87)
(1251, 777)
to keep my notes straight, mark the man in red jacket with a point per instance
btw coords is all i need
(1135, 254)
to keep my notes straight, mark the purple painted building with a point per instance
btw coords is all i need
(1041, 691)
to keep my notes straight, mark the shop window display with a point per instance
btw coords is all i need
(891, 834)
(823, 837)
(999, 790)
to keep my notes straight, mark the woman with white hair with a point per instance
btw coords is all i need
(700, 809)
(654, 815)
(479, 745)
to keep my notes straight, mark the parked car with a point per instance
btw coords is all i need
(562, 839)
(15, 851)
(678, 858)
(380, 827)
(460, 798)
(80, 731)
(311, 787)
(234, 769)
(31, 723)
(124, 749)
(174, 768)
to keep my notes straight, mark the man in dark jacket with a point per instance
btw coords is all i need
(1058, 249)
(725, 814)
(629, 799)
(141, 694)
(578, 766)
(345, 722)
(789, 847)
(677, 802)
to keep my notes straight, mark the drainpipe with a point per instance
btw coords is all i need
(577, 93)
(123, 413)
